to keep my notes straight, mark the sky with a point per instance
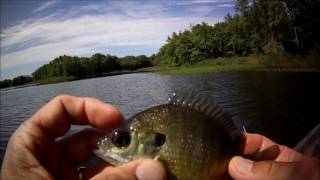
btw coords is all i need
(34, 32)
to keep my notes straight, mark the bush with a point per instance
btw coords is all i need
(20, 80)
(274, 54)
(5, 83)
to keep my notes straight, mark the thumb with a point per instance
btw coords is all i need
(241, 168)
(139, 169)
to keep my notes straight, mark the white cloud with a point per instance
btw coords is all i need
(225, 5)
(44, 6)
(42, 39)
(202, 9)
(204, 2)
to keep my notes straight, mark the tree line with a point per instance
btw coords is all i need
(84, 67)
(17, 81)
(276, 27)
(273, 27)
(81, 67)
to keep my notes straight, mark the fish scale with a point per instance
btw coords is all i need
(197, 145)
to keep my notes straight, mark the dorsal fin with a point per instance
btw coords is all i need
(205, 104)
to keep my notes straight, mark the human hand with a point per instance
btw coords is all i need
(268, 160)
(33, 151)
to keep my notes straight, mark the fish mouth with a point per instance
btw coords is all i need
(110, 157)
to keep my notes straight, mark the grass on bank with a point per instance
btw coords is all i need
(251, 63)
(55, 80)
(204, 69)
(210, 65)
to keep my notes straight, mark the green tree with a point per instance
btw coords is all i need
(97, 63)
(304, 20)
(20, 80)
(5, 83)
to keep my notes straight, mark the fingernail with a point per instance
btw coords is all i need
(150, 170)
(243, 165)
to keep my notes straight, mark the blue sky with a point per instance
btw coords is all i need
(34, 32)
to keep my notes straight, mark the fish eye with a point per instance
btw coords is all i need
(121, 138)
(159, 139)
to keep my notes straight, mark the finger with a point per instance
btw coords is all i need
(240, 168)
(91, 171)
(56, 117)
(78, 147)
(256, 143)
(139, 169)
(260, 147)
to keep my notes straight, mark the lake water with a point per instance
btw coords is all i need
(281, 105)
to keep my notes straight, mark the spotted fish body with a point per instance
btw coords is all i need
(197, 138)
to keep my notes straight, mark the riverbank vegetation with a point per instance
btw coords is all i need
(277, 34)
(278, 30)
(66, 68)
(82, 67)
(251, 63)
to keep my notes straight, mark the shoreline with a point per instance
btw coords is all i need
(177, 70)
(61, 79)
(198, 69)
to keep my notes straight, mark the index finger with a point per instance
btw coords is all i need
(56, 117)
(262, 148)
(256, 143)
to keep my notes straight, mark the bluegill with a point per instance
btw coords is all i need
(191, 135)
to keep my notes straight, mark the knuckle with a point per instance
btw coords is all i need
(265, 168)
(61, 96)
(271, 168)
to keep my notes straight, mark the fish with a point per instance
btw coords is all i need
(191, 135)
